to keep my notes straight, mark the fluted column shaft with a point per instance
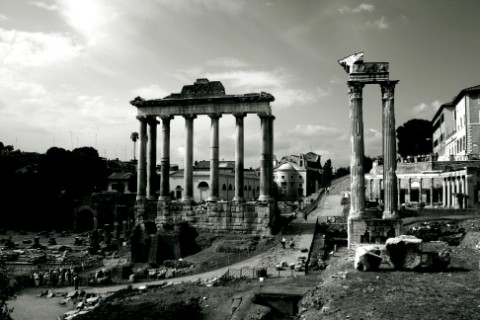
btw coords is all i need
(389, 151)
(239, 157)
(399, 191)
(165, 159)
(409, 189)
(265, 159)
(188, 178)
(151, 157)
(444, 192)
(431, 191)
(142, 157)
(449, 193)
(214, 155)
(420, 190)
(357, 185)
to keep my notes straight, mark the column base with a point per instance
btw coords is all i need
(165, 199)
(238, 199)
(152, 197)
(379, 230)
(265, 199)
(187, 200)
(212, 199)
(387, 215)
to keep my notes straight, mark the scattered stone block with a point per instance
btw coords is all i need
(367, 258)
(405, 252)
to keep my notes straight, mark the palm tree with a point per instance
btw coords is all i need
(134, 138)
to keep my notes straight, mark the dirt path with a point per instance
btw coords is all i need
(29, 306)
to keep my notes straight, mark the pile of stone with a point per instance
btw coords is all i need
(438, 230)
(404, 252)
(85, 302)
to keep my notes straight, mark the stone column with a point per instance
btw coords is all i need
(409, 190)
(151, 157)
(389, 151)
(399, 190)
(444, 192)
(370, 189)
(265, 159)
(449, 193)
(165, 160)
(357, 184)
(270, 167)
(431, 191)
(420, 190)
(379, 194)
(188, 178)
(457, 191)
(464, 191)
(142, 156)
(214, 154)
(239, 157)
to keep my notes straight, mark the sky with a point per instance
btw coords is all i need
(68, 68)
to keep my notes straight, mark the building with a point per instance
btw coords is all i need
(451, 178)
(298, 176)
(456, 127)
(201, 181)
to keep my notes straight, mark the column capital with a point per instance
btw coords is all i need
(166, 118)
(355, 89)
(141, 118)
(152, 120)
(388, 89)
(215, 115)
(239, 114)
(264, 115)
(190, 116)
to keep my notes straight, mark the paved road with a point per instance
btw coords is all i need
(28, 306)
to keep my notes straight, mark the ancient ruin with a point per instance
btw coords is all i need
(361, 222)
(208, 98)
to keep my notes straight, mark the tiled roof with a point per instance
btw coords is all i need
(455, 100)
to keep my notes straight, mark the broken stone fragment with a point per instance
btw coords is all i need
(405, 252)
(367, 258)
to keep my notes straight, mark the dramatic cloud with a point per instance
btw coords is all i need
(227, 63)
(380, 24)
(43, 5)
(152, 91)
(424, 110)
(36, 49)
(364, 7)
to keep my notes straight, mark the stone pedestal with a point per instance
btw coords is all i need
(379, 230)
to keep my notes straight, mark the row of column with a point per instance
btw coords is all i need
(357, 207)
(147, 158)
(451, 186)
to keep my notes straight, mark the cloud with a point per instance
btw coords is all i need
(88, 17)
(152, 91)
(426, 110)
(36, 49)
(43, 5)
(3, 17)
(364, 7)
(380, 24)
(197, 7)
(227, 63)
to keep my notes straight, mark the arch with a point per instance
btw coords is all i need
(224, 187)
(245, 188)
(250, 188)
(203, 185)
(230, 187)
(178, 192)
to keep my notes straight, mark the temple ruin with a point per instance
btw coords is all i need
(208, 98)
(359, 220)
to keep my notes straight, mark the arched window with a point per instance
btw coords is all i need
(249, 188)
(203, 185)
(230, 187)
(245, 188)
(224, 187)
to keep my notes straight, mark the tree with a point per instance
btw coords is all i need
(8, 290)
(134, 138)
(415, 138)
(342, 171)
(327, 172)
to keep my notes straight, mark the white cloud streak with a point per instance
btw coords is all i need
(363, 7)
(380, 24)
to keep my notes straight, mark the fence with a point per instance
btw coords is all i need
(254, 273)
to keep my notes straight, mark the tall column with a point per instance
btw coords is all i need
(420, 190)
(214, 154)
(165, 160)
(444, 192)
(188, 178)
(271, 144)
(389, 151)
(431, 191)
(449, 193)
(142, 156)
(357, 184)
(239, 157)
(151, 157)
(379, 189)
(399, 190)
(409, 190)
(464, 191)
(265, 159)
(457, 191)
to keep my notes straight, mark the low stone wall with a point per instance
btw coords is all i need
(222, 216)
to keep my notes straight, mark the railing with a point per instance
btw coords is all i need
(254, 273)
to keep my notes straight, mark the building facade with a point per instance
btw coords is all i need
(456, 127)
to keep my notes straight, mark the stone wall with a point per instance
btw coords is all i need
(222, 216)
(376, 228)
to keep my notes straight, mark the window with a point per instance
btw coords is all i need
(283, 177)
(300, 185)
(292, 184)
